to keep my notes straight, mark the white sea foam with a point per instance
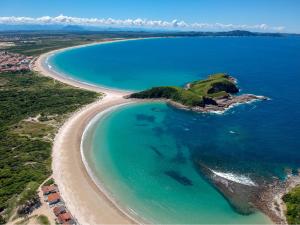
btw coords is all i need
(241, 179)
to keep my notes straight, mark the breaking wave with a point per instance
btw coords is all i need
(241, 179)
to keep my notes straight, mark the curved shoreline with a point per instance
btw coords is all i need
(90, 126)
(85, 200)
(39, 65)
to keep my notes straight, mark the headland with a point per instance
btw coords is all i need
(214, 94)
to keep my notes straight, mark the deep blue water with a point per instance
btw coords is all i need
(258, 140)
(136, 65)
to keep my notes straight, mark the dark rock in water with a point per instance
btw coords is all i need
(143, 117)
(179, 178)
(156, 151)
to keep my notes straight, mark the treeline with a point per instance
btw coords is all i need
(24, 160)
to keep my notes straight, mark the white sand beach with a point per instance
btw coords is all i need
(83, 198)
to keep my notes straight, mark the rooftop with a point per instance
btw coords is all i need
(53, 197)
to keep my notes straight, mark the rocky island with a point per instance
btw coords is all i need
(216, 93)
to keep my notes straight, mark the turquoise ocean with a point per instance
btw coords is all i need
(144, 154)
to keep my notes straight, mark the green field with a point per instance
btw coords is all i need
(198, 93)
(32, 108)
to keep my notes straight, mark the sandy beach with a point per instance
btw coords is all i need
(83, 198)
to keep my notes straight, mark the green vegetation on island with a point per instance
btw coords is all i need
(292, 201)
(32, 108)
(197, 93)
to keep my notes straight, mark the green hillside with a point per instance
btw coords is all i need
(197, 93)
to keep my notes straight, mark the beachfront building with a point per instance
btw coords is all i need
(65, 218)
(53, 198)
(49, 189)
(59, 210)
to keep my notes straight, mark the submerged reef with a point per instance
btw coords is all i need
(246, 196)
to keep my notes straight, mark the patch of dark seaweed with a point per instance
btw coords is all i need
(179, 178)
(156, 151)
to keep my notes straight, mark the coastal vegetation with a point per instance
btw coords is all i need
(43, 220)
(197, 93)
(292, 201)
(32, 108)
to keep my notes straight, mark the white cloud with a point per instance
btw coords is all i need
(175, 24)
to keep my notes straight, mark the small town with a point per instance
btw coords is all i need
(13, 62)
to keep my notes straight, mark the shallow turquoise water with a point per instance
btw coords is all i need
(134, 149)
(134, 173)
(132, 165)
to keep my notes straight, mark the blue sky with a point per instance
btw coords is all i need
(274, 13)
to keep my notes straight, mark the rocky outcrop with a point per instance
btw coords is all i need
(249, 197)
(220, 104)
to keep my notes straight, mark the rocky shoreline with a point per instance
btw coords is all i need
(222, 104)
(264, 196)
(270, 200)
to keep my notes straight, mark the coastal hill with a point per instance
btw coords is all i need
(216, 93)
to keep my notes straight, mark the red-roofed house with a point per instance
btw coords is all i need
(59, 210)
(65, 218)
(53, 198)
(49, 189)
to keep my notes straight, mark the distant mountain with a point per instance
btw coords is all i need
(234, 33)
(155, 32)
(73, 28)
